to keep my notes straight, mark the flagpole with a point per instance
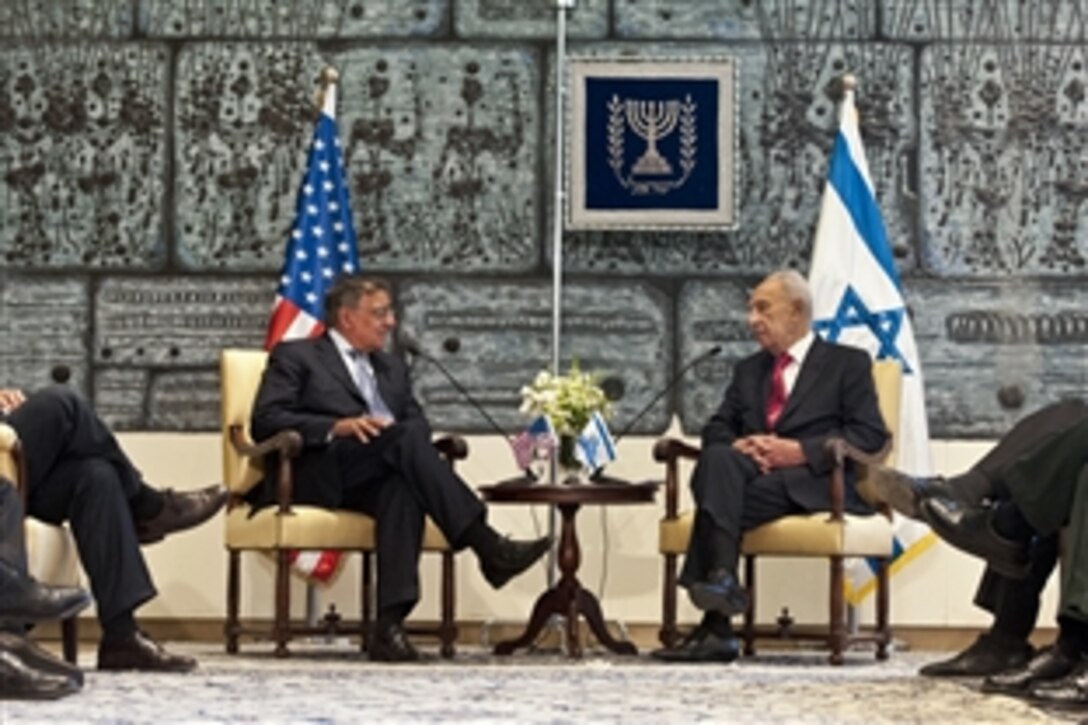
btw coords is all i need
(561, 8)
(328, 78)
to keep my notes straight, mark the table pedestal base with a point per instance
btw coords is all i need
(569, 600)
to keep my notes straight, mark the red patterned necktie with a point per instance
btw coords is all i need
(776, 401)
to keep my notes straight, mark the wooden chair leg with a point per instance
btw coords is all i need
(233, 593)
(368, 585)
(750, 613)
(281, 631)
(668, 635)
(836, 639)
(69, 634)
(883, 599)
(448, 629)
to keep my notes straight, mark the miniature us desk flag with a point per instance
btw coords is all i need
(858, 300)
(536, 441)
(321, 246)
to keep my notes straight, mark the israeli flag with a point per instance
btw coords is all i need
(858, 300)
(595, 447)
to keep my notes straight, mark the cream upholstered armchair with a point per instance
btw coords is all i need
(834, 536)
(51, 551)
(278, 529)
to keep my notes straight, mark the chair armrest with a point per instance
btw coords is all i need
(841, 450)
(288, 443)
(669, 451)
(452, 447)
(11, 446)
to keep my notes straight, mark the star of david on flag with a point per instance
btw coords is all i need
(321, 246)
(594, 446)
(858, 300)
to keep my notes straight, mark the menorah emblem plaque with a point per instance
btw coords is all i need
(652, 121)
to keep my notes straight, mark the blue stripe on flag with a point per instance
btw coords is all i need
(861, 205)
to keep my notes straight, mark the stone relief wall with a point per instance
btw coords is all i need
(150, 152)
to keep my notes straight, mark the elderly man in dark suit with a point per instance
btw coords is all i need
(763, 452)
(78, 473)
(367, 447)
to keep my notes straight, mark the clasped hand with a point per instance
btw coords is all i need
(10, 399)
(771, 452)
(364, 427)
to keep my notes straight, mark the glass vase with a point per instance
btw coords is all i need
(569, 467)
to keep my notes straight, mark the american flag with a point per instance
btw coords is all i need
(320, 247)
(536, 441)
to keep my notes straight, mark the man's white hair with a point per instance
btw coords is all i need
(796, 288)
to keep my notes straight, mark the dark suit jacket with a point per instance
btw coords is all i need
(833, 396)
(306, 388)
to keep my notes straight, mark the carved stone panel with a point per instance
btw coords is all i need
(710, 313)
(787, 117)
(992, 352)
(178, 321)
(439, 145)
(309, 19)
(43, 325)
(746, 19)
(70, 19)
(1005, 20)
(82, 155)
(495, 337)
(1004, 159)
(140, 399)
(529, 19)
(244, 117)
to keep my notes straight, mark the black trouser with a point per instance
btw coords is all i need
(1015, 602)
(731, 497)
(399, 479)
(78, 473)
(12, 538)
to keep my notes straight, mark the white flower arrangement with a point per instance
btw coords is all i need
(568, 400)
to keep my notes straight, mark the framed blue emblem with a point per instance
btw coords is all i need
(651, 143)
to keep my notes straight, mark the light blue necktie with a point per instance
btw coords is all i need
(368, 386)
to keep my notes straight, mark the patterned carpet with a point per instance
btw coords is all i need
(330, 683)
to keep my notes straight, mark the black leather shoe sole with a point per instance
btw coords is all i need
(710, 597)
(1048, 666)
(706, 649)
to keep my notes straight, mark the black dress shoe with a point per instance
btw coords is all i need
(137, 651)
(20, 681)
(22, 599)
(970, 529)
(182, 511)
(1069, 692)
(390, 643)
(1050, 664)
(510, 558)
(38, 658)
(701, 645)
(905, 493)
(987, 656)
(721, 593)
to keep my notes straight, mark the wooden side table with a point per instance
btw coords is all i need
(567, 597)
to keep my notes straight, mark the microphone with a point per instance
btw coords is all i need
(407, 343)
(597, 475)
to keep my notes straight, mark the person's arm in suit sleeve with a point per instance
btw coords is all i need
(725, 425)
(278, 404)
(862, 425)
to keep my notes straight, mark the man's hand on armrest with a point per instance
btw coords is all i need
(10, 399)
(364, 427)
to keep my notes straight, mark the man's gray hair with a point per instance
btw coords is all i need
(796, 288)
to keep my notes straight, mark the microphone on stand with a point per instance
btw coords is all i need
(598, 475)
(409, 345)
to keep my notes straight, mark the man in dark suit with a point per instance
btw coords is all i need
(367, 447)
(77, 472)
(27, 672)
(1014, 602)
(763, 452)
(1040, 493)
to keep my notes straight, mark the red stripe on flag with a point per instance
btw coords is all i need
(283, 315)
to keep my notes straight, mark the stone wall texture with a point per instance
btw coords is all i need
(151, 151)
